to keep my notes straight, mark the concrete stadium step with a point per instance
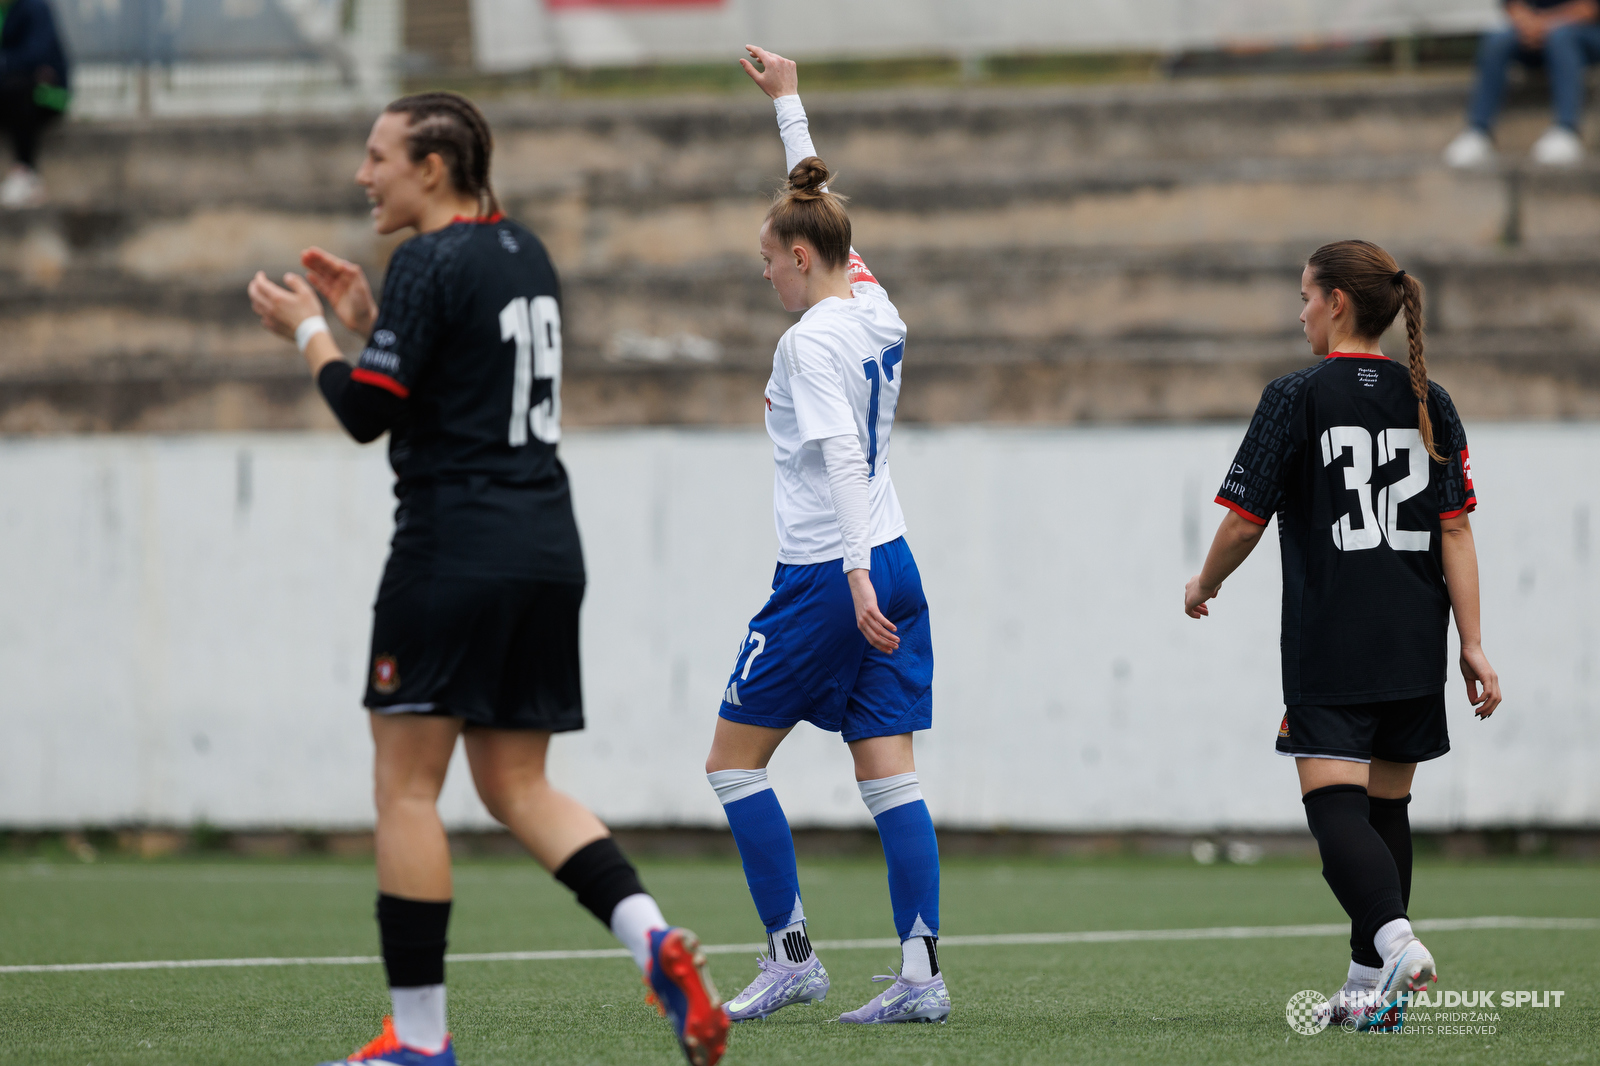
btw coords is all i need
(547, 148)
(1009, 305)
(1061, 254)
(1029, 335)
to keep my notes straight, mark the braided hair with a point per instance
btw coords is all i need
(451, 125)
(1378, 290)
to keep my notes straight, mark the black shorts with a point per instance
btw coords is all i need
(1409, 730)
(496, 652)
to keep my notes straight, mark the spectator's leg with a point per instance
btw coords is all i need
(1564, 59)
(16, 118)
(1587, 38)
(1495, 53)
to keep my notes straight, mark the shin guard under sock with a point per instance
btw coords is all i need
(1391, 821)
(607, 885)
(766, 847)
(412, 932)
(911, 850)
(1356, 862)
(601, 877)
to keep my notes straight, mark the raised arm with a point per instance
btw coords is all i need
(779, 78)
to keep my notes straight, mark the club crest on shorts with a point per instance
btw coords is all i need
(1283, 730)
(385, 674)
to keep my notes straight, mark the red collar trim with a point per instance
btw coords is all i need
(498, 216)
(1358, 355)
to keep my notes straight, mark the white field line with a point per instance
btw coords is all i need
(1105, 936)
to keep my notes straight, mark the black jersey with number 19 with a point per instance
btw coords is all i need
(469, 336)
(1334, 451)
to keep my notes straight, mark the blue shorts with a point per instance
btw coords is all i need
(804, 660)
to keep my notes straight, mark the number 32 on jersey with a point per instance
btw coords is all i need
(1358, 479)
(535, 327)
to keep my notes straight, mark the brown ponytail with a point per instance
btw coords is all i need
(451, 125)
(806, 210)
(1378, 290)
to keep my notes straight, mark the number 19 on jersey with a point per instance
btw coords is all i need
(535, 327)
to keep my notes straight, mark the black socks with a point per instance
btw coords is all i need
(1392, 822)
(1390, 819)
(601, 877)
(413, 935)
(1356, 862)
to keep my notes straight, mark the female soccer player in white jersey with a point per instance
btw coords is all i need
(475, 631)
(1364, 462)
(843, 642)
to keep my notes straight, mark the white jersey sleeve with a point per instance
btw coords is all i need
(852, 502)
(821, 407)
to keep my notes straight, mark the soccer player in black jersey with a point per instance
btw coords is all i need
(1365, 464)
(475, 630)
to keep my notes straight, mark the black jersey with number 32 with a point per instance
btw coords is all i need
(469, 335)
(1334, 451)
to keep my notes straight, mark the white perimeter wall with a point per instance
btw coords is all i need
(516, 34)
(183, 630)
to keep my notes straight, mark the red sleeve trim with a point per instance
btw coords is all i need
(1472, 505)
(382, 381)
(1241, 512)
(858, 270)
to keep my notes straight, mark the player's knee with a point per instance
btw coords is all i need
(391, 801)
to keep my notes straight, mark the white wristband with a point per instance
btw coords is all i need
(309, 328)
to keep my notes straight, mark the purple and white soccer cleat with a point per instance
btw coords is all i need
(904, 1001)
(776, 987)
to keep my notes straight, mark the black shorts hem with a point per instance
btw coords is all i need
(1306, 752)
(1411, 730)
(565, 724)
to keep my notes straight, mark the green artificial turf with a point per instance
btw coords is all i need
(1151, 1002)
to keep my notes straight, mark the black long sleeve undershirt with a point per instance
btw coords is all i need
(365, 411)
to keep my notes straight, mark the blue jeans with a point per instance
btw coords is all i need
(1566, 53)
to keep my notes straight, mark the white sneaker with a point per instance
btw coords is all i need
(21, 188)
(1471, 148)
(1557, 147)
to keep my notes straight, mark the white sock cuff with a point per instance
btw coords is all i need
(1364, 976)
(631, 921)
(419, 1017)
(887, 793)
(1392, 938)
(734, 785)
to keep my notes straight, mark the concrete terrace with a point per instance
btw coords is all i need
(1114, 253)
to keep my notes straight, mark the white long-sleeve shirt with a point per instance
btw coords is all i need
(835, 378)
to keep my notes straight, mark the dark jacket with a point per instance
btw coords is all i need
(30, 49)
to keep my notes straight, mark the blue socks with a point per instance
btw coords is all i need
(765, 846)
(909, 847)
(911, 850)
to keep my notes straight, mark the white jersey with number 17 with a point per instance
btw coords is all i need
(837, 371)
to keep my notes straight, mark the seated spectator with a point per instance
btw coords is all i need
(33, 92)
(1563, 36)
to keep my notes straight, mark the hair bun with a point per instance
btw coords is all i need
(809, 178)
